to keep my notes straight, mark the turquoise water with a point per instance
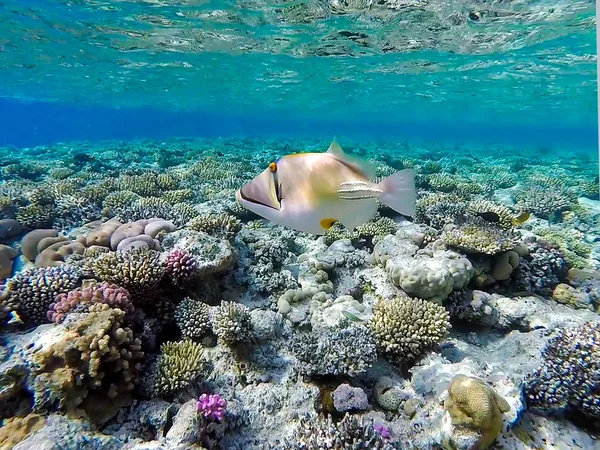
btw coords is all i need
(136, 293)
(494, 64)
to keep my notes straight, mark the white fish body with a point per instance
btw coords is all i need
(311, 191)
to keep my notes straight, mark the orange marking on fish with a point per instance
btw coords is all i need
(327, 223)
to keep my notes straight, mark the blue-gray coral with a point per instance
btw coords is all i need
(30, 293)
(568, 382)
(342, 351)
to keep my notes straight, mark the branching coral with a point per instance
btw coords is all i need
(32, 292)
(138, 271)
(180, 266)
(231, 323)
(544, 202)
(80, 300)
(98, 353)
(369, 230)
(349, 433)
(177, 367)
(343, 351)
(492, 212)
(224, 225)
(570, 242)
(193, 318)
(567, 381)
(479, 238)
(406, 328)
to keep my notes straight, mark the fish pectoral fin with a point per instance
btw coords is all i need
(361, 213)
(360, 165)
(358, 190)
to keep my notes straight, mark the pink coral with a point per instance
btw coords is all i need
(80, 299)
(211, 406)
(180, 265)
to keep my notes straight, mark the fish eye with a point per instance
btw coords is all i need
(272, 167)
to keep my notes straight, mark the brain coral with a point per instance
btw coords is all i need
(405, 328)
(474, 405)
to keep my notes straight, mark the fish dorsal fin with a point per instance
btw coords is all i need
(360, 165)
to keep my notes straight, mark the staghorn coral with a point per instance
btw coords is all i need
(231, 323)
(193, 318)
(336, 351)
(138, 270)
(145, 185)
(80, 299)
(323, 433)
(116, 201)
(567, 381)
(406, 328)
(479, 238)
(224, 225)
(30, 293)
(180, 266)
(98, 353)
(177, 196)
(476, 408)
(178, 366)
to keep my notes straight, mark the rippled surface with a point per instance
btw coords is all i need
(333, 58)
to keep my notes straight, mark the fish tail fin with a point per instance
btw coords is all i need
(399, 192)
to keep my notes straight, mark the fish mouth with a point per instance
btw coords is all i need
(253, 194)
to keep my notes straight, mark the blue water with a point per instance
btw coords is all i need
(41, 123)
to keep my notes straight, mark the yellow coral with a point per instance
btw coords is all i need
(473, 404)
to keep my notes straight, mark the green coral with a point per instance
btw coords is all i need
(193, 318)
(114, 201)
(232, 324)
(177, 196)
(177, 367)
(405, 328)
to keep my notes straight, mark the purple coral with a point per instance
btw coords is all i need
(80, 299)
(211, 406)
(181, 265)
(382, 430)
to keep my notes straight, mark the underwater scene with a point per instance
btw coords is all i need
(299, 225)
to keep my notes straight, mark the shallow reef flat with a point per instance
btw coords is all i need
(143, 308)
